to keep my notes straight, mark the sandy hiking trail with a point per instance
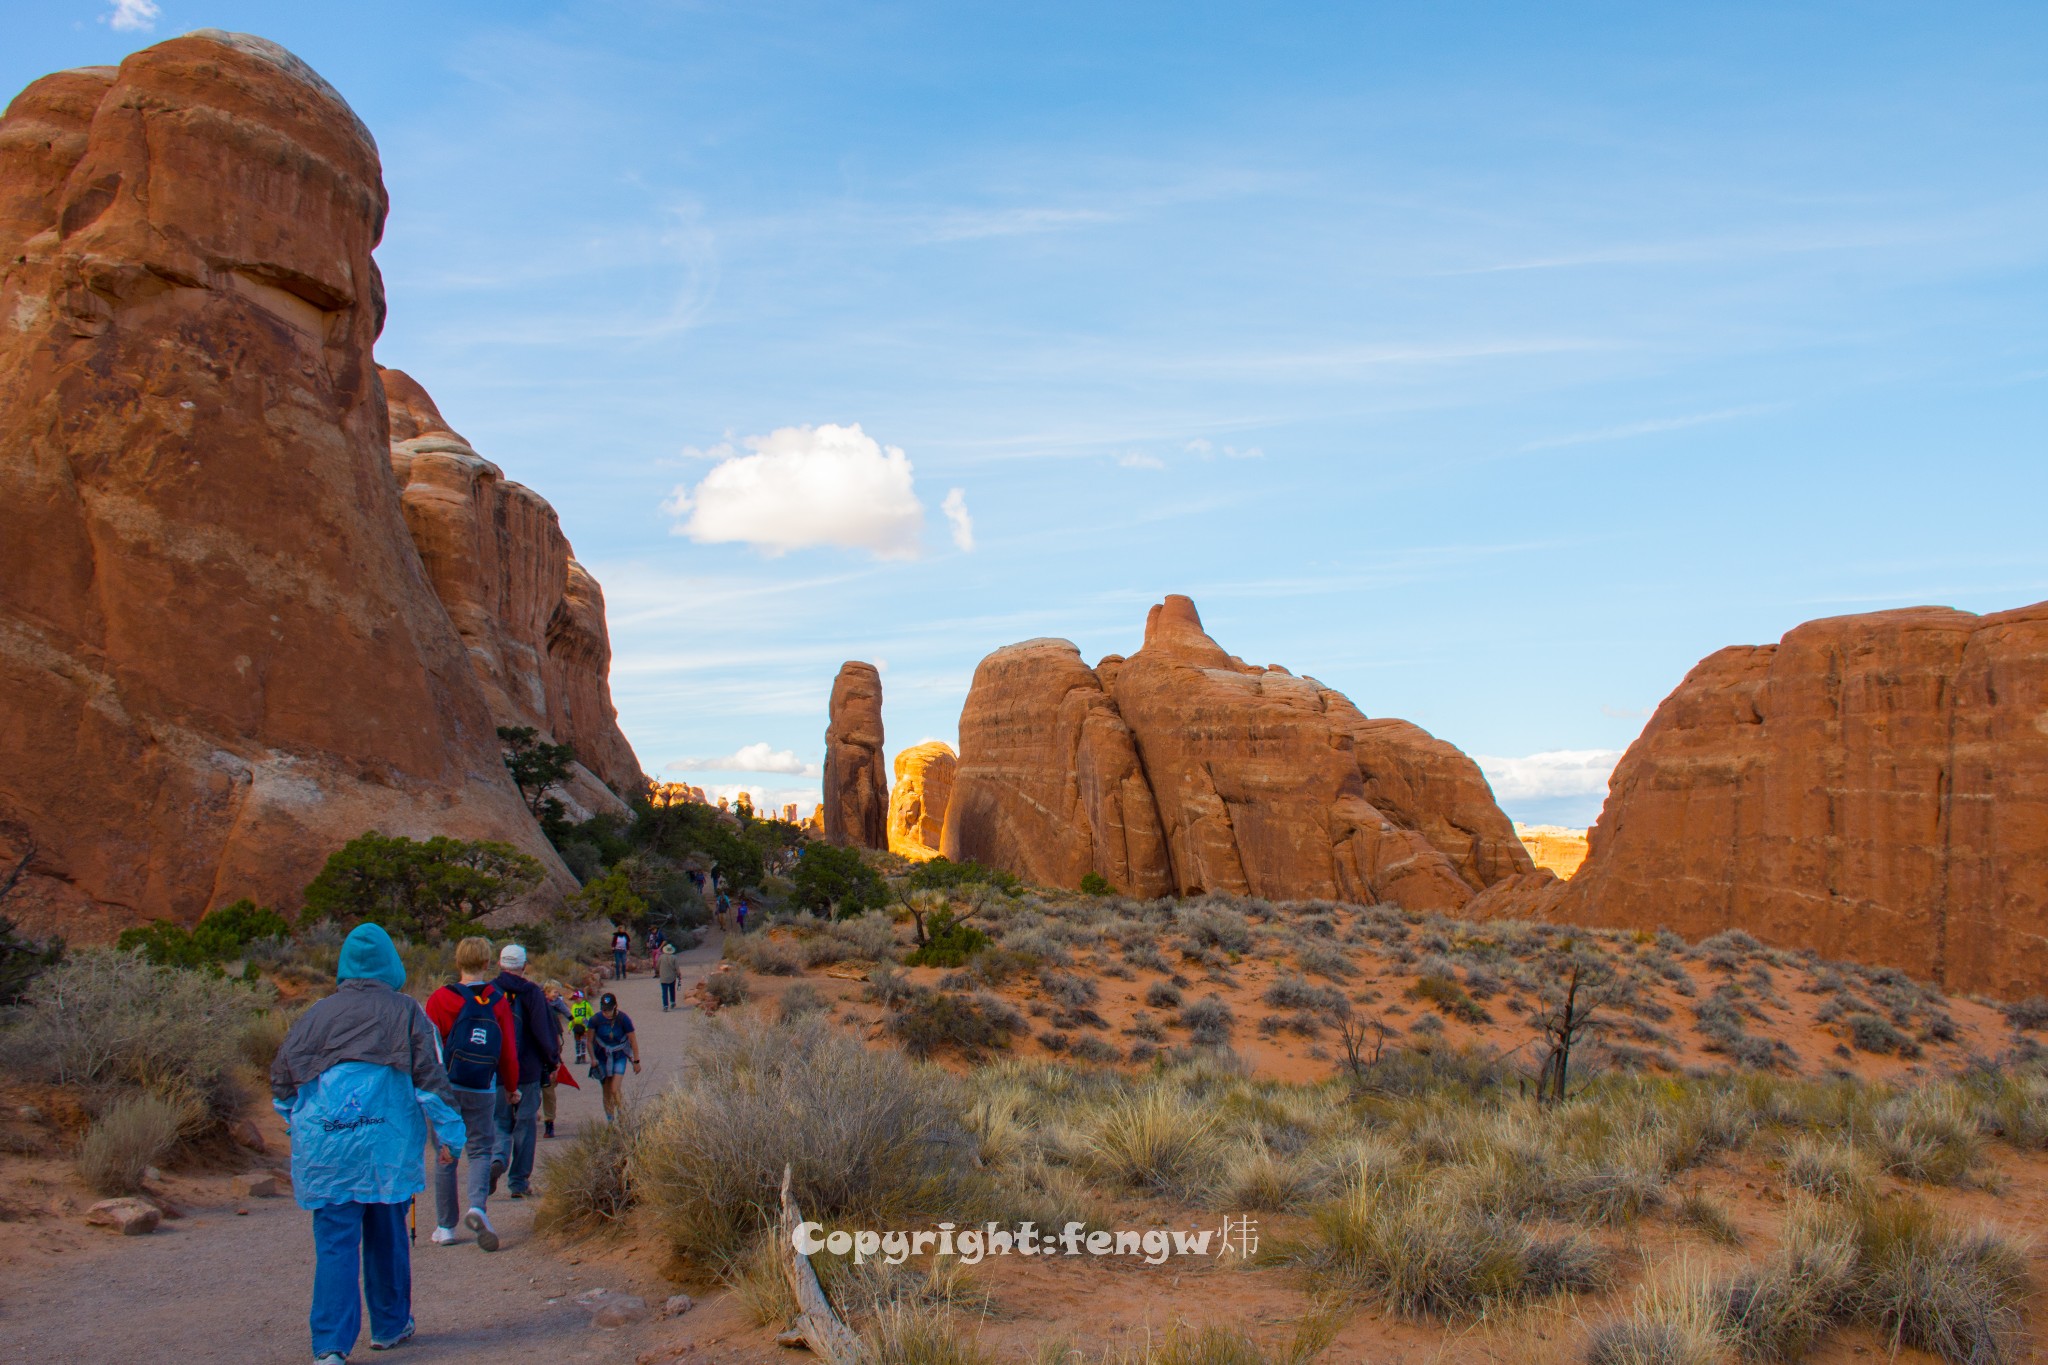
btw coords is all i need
(217, 1287)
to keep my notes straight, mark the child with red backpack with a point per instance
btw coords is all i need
(481, 1053)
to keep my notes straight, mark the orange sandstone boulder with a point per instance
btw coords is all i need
(918, 799)
(856, 802)
(1872, 787)
(1181, 769)
(219, 655)
(530, 616)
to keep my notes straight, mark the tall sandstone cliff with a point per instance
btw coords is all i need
(856, 807)
(531, 617)
(1872, 787)
(1181, 769)
(220, 657)
(919, 797)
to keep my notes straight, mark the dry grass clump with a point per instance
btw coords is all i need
(800, 1000)
(587, 1185)
(1673, 1321)
(1828, 1164)
(759, 953)
(727, 989)
(1930, 1135)
(869, 937)
(135, 1133)
(1160, 1140)
(920, 1334)
(932, 1021)
(1709, 1216)
(867, 1136)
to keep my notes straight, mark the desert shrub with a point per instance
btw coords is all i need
(1145, 953)
(887, 986)
(765, 955)
(1316, 959)
(948, 942)
(1220, 1344)
(1214, 926)
(1872, 1033)
(1159, 1139)
(727, 989)
(920, 1334)
(23, 960)
(800, 1000)
(1443, 991)
(2011, 1106)
(1162, 995)
(587, 1183)
(933, 1020)
(107, 1017)
(262, 1036)
(1294, 993)
(1929, 1135)
(1063, 989)
(1208, 1022)
(942, 874)
(610, 897)
(868, 937)
(867, 1136)
(1700, 1210)
(837, 881)
(1926, 1283)
(418, 887)
(135, 1133)
(1053, 1041)
(1095, 884)
(2028, 1014)
(1831, 1166)
(1673, 1321)
(1089, 1048)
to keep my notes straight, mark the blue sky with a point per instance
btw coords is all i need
(1491, 363)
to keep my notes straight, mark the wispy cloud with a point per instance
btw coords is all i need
(1630, 430)
(1553, 773)
(132, 16)
(1139, 460)
(955, 508)
(749, 758)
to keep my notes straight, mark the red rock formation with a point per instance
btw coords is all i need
(1181, 769)
(531, 617)
(1873, 787)
(856, 785)
(918, 800)
(1554, 848)
(219, 657)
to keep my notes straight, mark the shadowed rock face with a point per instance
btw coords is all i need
(1872, 787)
(919, 797)
(1181, 769)
(856, 784)
(219, 655)
(530, 616)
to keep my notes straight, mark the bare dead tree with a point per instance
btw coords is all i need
(1562, 1026)
(1357, 1035)
(8, 883)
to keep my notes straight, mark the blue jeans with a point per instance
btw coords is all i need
(366, 1241)
(516, 1136)
(618, 965)
(668, 994)
(480, 1125)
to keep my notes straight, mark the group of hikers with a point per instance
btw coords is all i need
(368, 1078)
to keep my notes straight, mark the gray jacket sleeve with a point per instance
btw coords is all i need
(428, 1072)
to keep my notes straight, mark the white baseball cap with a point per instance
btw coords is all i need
(513, 956)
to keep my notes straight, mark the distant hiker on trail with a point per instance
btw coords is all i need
(580, 1011)
(655, 938)
(622, 943)
(540, 1052)
(612, 1044)
(724, 909)
(352, 1078)
(743, 912)
(558, 1015)
(665, 971)
(481, 1053)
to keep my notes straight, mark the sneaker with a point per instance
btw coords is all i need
(497, 1170)
(445, 1237)
(547, 1129)
(517, 1194)
(399, 1340)
(486, 1235)
(331, 1358)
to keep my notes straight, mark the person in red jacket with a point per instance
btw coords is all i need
(481, 1053)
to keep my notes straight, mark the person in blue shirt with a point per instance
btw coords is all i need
(612, 1044)
(359, 1082)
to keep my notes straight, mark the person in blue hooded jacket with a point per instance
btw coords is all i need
(359, 1080)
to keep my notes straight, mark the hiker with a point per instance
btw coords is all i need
(558, 1015)
(540, 1052)
(622, 943)
(666, 970)
(612, 1043)
(359, 1082)
(580, 1011)
(481, 1054)
(655, 938)
(743, 912)
(724, 909)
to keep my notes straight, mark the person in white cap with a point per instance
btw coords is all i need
(540, 1053)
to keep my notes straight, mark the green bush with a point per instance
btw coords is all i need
(947, 942)
(611, 897)
(830, 880)
(1095, 884)
(418, 888)
(219, 936)
(930, 1021)
(943, 874)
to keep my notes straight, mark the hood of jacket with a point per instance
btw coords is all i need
(368, 954)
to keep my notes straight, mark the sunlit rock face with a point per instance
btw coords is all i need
(220, 657)
(1873, 787)
(918, 798)
(856, 806)
(1183, 769)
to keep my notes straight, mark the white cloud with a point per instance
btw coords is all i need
(1556, 772)
(1135, 460)
(1206, 449)
(749, 758)
(806, 486)
(955, 508)
(133, 16)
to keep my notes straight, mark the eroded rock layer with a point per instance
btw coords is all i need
(1872, 787)
(219, 656)
(1181, 769)
(919, 797)
(856, 784)
(530, 616)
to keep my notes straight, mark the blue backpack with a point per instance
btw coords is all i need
(475, 1041)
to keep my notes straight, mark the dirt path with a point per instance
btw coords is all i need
(217, 1287)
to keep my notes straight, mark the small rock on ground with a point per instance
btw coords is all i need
(129, 1217)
